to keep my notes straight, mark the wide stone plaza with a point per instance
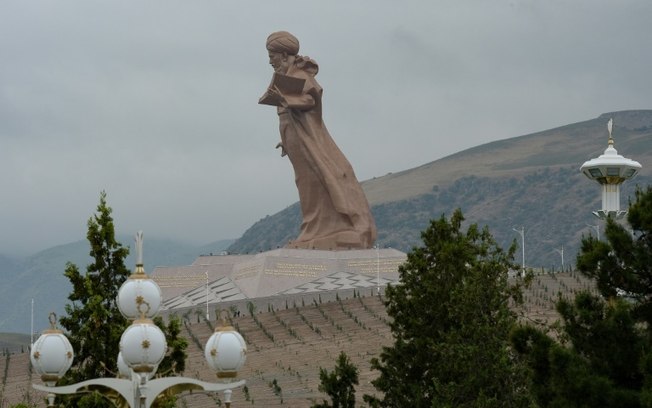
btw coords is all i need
(217, 279)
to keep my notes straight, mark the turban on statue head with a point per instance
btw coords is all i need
(282, 41)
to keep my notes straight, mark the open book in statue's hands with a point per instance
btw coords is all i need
(281, 85)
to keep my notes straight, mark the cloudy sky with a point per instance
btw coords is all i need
(155, 101)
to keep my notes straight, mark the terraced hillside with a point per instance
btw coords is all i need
(286, 347)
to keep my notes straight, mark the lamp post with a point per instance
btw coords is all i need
(208, 316)
(596, 227)
(610, 170)
(377, 270)
(561, 252)
(142, 348)
(31, 332)
(51, 356)
(522, 232)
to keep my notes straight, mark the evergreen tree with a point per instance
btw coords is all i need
(175, 361)
(339, 384)
(588, 368)
(623, 263)
(602, 355)
(451, 322)
(93, 321)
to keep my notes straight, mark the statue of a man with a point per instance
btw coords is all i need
(335, 210)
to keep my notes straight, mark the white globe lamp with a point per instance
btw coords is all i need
(123, 369)
(143, 346)
(226, 351)
(139, 288)
(51, 354)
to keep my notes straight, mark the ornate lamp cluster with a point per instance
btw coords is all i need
(142, 345)
(142, 348)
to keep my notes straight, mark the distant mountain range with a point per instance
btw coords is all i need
(40, 277)
(531, 182)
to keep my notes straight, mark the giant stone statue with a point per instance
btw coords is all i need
(335, 210)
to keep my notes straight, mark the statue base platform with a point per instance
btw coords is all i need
(279, 272)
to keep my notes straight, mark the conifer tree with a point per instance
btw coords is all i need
(451, 322)
(623, 263)
(339, 384)
(605, 355)
(93, 321)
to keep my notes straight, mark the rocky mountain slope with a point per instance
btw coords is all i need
(531, 181)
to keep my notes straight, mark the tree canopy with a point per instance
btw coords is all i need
(339, 384)
(93, 322)
(601, 354)
(451, 322)
(622, 265)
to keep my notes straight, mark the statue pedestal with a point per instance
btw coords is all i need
(280, 272)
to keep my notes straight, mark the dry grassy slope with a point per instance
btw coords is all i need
(563, 146)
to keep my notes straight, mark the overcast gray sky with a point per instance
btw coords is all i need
(155, 101)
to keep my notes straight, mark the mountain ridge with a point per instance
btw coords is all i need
(575, 143)
(531, 181)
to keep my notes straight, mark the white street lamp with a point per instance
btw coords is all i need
(522, 232)
(610, 170)
(31, 333)
(207, 315)
(225, 351)
(51, 355)
(561, 252)
(143, 345)
(139, 289)
(142, 348)
(596, 227)
(377, 270)
(123, 369)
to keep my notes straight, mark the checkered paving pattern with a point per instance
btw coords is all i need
(338, 281)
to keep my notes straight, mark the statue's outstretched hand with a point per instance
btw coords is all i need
(283, 152)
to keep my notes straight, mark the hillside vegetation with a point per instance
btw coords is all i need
(530, 181)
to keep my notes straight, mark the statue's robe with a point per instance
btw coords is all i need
(335, 210)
